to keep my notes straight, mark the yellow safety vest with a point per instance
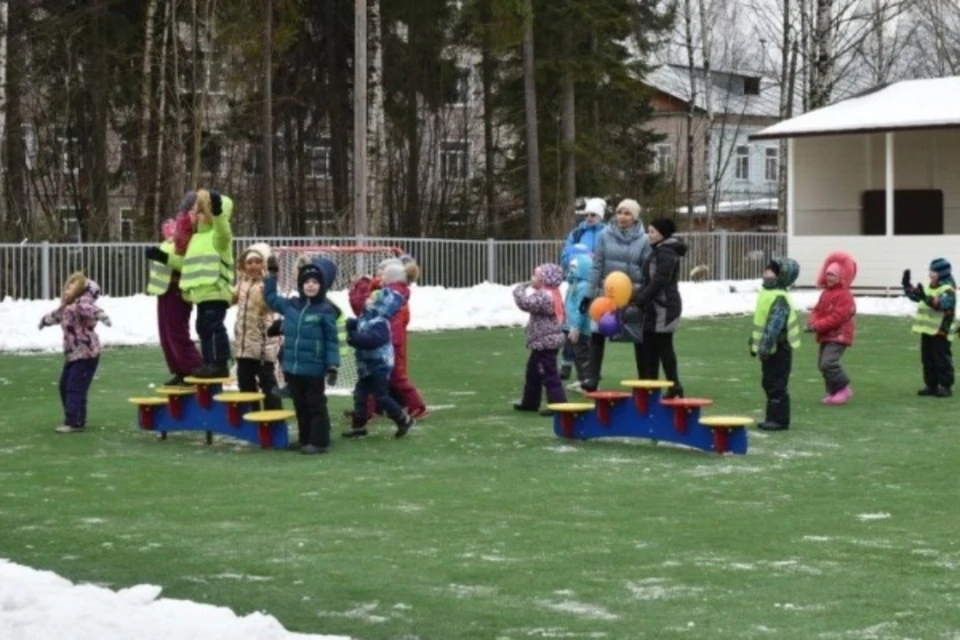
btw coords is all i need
(764, 303)
(160, 274)
(203, 265)
(928, 320)
(342, 335)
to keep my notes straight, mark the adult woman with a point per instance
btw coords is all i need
(622, 246)
(659, 302)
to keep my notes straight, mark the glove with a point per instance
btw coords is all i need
(331, 377)
(155, 254)
(216, 202)
(585, 305)
(105, 319)
(272, 265)
(906, 278)
(275, 329)
(43, 325)
(351, 324)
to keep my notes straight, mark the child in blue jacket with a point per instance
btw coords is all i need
(310, 347)
(577, 327)
(369, 335)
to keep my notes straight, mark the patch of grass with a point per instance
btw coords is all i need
(481, 524)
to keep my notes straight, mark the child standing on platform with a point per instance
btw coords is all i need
(544, 336)
(832, 320)
(936, 308)
(776, 334)
(77, 316)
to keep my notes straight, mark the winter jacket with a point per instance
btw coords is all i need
(578, 281)
(583, 233)
(780, 327)
(399, 322)
(360, 291)
(310, 345)
(78, 320)
(254, 317)
(206, 269)
(832, 318)
(544, 329)
(626, 251)
(369, 335)
(659, 298)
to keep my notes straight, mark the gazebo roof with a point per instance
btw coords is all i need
(911, 104)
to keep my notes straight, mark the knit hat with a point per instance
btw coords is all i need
(665, 226)
(388, 261)
(262, 249)
(597, 206)
(942, 267)
(394, 272)
(632, 206)
(189, 199)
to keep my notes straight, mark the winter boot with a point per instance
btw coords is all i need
(404, 424)
(213, 370)
(944, 392)
(358, 427)
(68, 429)
(565, 370)
(175, 381)
(767, 425)
(927, 391)
(675, 391)
(519, 406)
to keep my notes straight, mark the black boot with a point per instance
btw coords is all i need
(565, 370)
(766, 425)
(547, 413)
(404, 424)
(519, 406)
(213, 370)
(944, 392)
(175, 381)
(675, 391)
(927, 391)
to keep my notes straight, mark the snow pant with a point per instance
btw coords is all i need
(597, 347)
(834, 377)
(569, 356)
(214, 341)
(776, 370)
(257, 375)
(375, 386)
(401, 388)
(577, 355)
(310, 404)
(937, 357)
(75, 381)
(173, 320)
(657, 349)
(542, 374)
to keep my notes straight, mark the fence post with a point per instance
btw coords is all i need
(491, 261)
(724, 239)
(45, 270)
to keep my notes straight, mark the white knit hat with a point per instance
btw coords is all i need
(260, 248)
(632, 206)
(597, 206)
(394, 272)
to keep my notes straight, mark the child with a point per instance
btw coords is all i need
(207, 278)
(255, 350)
(568, 355)
(310, 348)
(832, 320)
(173, 312)
(369, 335)
(577, 328)
(936, 306)
(395, 277)
(544, 336)
(776, 334)
(77, 316)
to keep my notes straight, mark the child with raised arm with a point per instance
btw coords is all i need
(544, 336)
(936, 308)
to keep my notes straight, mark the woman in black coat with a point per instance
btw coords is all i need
(659, 300)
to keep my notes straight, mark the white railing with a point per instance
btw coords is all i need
(38, 270)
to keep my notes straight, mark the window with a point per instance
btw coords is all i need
(318, 161)
(453, 161)
(771, 170)
(743, 163)
(461, 89)
(70, 223)
(127, 215)
(70, 159)
(663, 162)
(751, 86)
(128, 159)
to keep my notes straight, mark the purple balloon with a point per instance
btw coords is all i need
(609, 324)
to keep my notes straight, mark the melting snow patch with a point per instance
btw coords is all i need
(703, 470)
(92, 520)
(581, 609)
(552, 632)
(561, 449)
(470, 590)
(816, 538)
(655, 589)
(362, 612)
(241, 576)
(863, 517)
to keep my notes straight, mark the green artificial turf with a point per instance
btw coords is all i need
(482, 524)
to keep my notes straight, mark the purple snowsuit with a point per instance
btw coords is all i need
(544, 339)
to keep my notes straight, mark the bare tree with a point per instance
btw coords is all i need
(146, 112)
(692, 105)
(534, 205)
(268, 215)
(568, 133)
(706, 36)
(376, 120)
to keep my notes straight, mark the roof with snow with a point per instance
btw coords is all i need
(734, 93)
(911, 104)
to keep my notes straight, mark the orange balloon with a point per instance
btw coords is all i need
(601, 306)
(618, 288)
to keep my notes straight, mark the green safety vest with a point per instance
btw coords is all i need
(342, 335)
(929, 320)
(160, 274)
(764, 303)
(203, 266)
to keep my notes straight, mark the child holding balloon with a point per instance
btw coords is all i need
(544, 336)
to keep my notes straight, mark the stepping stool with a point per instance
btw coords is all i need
(605, 400)
(268, 422)
(723, 427)
(147, 407)
(642, 390)
(204, 388)
(174, 402)
(567, 412)
(234, 400)
(682, 408)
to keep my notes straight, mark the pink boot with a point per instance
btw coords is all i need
(840, 397)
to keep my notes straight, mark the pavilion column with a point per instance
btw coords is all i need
(791, 187)
(890, 183)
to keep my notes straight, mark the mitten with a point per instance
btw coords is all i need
(104, 318)
(585, 305)
(275, 329)
(155, 254)
(42, 325)
(906, 278)
(331, 377)
(272, 265)
(216, 202)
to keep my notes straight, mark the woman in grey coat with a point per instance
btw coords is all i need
(623, 246)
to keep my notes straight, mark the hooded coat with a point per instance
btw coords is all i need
(78, 319)
(622, 250)
(544, 329)
(369, 334)
(659, 298)
(578, 281)
(832, 318)
(254, 317)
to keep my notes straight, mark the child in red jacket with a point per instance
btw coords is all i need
(832, 321)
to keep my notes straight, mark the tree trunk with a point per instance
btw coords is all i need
(15, 165)
(411, 224)
(568, 132)
(786, 89)
(487, 79)
(534, 211)
(692, 106)
(706, 38)
(267, 216)
(161, 117)
(376, 121)
(97, 86)
(144, 170)
(177, 155)
(337, 69)
(805, 71)
(822, 85)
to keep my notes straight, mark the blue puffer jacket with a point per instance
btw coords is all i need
(583, 233)
(310, 346)
(578, 281)
(369, 335)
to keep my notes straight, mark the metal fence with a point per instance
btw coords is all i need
(38, 270)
